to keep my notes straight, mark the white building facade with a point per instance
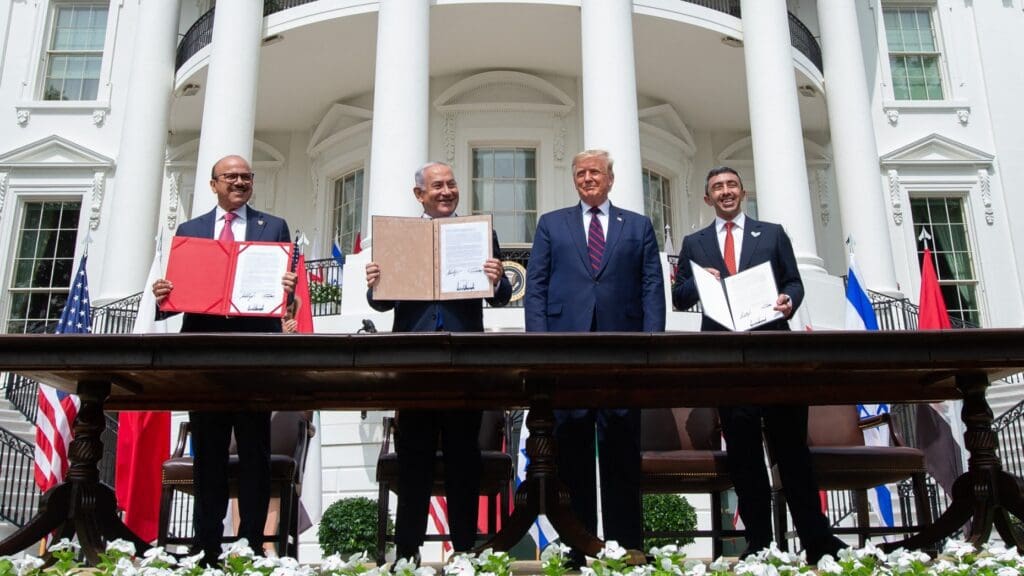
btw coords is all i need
(859, 120)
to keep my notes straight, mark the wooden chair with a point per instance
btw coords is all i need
(841, 461)
(682, 454)
(496, 470)
(290, 433)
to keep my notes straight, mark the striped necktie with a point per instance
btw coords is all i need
(595, 239)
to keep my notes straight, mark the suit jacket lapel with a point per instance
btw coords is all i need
(616, 222)
(208, 221)
(751, 238)
(574, 223)
(709, 242)
(255, 225)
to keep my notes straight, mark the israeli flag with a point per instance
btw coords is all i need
(542, 532)
(861, 316)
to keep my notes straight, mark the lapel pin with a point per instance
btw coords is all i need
(619, 218)
(755, 234)
(259, 222)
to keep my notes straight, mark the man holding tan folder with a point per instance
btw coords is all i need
(418, 430)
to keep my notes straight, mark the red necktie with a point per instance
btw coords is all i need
(730, 249)
(226, 234)
(595, 239)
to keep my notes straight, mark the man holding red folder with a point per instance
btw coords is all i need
(232, 219)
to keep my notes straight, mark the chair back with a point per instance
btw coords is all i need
(284, 432)
(834, 426)
(667, 429)
(492, 430)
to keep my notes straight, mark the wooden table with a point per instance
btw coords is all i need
(539, 371)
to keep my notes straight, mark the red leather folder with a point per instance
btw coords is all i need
(203, 273)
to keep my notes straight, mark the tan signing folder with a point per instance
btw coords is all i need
(432, 259)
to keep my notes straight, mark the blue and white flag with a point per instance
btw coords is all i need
(542, 532)
(861, 316)
(338, 256)
(859, 313)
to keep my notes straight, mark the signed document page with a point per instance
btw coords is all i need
(257, 285)
(226, 279)
(752, 295)
(463, 244)
(742, 301)
(424, 259)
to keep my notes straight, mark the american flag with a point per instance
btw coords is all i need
(57, 410)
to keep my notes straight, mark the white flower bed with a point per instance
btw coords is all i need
(957, 559)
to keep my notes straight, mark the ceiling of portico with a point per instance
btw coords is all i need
(316, 65)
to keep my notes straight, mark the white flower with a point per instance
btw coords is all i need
(587, 571)
(65, 544)
(27, 564)
(157, 554)
(1007, 571)
(122, 546)
(666, 550)
(155, 571)
(461, 565)
(262, 562)
(612, 551)
(958, 548)
(847, 554)
(124, 567)
(828, 565)
(643, 570)
(190, 562)
(696, 569)
(554, 550)
(239, 549)
(720, 564)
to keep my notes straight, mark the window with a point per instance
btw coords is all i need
(505, 186)
(657, 203)
(944, 219)
(43, 265)
(914, 55)
(348, 209)
(75, 52)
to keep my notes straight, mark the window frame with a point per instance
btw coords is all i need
(667, 206)
(32, 97)
(13, 224)
(965, 206)
(335, 225)
(467, 193)
(949, 75)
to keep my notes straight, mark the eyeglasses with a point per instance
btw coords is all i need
(235, 176)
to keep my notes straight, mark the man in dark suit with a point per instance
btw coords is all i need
(732, 243)
(418, 430)
(594, 267)
(231, 180)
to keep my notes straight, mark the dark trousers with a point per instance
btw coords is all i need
(618, 448)
(785, 430)
(416, 446)
(211, 438)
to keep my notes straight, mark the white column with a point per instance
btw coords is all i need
(609, 94)
(135, 200)
(779, 161)
(401, 108)
(861, 197)
(229, 110)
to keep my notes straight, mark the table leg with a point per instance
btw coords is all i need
(984, 495)
(80, 505)
(542, 492)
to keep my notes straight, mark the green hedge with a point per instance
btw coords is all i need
(664, 512)
(349, 526)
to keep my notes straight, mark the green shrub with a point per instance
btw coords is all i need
(664, 512)
(349, 526)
